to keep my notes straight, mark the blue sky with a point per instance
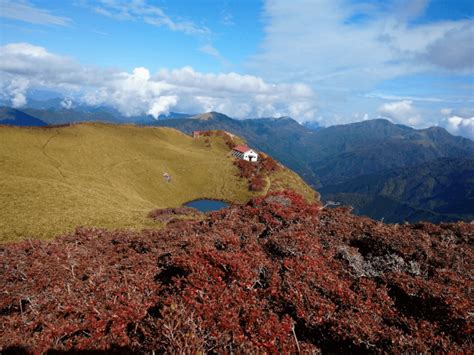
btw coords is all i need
(93, 38)
(333, 61)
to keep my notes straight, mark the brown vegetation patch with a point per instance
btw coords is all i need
(168, 214)
(256, 172)
(274, 275)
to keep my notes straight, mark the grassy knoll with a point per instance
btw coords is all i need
(54, 179)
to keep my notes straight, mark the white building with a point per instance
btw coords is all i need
(245, 153)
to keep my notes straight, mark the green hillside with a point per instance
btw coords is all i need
(55, 179)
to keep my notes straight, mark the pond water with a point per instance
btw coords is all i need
(207, 205)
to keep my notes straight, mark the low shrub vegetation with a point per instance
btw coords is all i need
(277, 274)
(257, 172)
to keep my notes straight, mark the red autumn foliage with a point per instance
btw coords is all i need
(274, 275)
(167, 214)
(255, 172)
(257, 183)
(247, 169)
(227, 137)
(268, 164)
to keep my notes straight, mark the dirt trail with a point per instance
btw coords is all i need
(57, 163)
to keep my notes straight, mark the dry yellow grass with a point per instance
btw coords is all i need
(53, 180)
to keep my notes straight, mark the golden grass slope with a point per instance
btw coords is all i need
(53, 180)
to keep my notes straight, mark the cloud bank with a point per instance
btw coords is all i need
(24, 66)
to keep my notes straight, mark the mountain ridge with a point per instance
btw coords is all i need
(336, 154)
(13, 117)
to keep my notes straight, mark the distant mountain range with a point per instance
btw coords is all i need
(14, 117)
(382, 169)
(54, 112)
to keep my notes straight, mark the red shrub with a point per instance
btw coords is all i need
(257, 183)
(227, 137)
(268, 164)
(247, 169)
(274, 275)
(255, 172)
(167, 214)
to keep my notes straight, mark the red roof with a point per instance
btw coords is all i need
(241, 148)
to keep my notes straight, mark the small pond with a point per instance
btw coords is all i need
(207, 205)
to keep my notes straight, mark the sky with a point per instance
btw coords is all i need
(330, 61)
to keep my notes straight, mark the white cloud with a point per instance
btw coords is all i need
(323, 42)
(214, 52)
(401, 112)
(419, 98)
(140, 10)
(454, 50)
(22, 10)
(460, 126)
(66, 103)
(17, 88)
(24, 66)
(446, 111)
(360, 116)
(162, 105)
(226, 18)
(348, 50)
(459, 121)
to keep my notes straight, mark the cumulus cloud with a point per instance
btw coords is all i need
(401, 112)
(24, 66)
(22, 10)
(459, 121)
(460, 126)
(17, 89)
(163, 105)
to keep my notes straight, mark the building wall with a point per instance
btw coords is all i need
(245, 156)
